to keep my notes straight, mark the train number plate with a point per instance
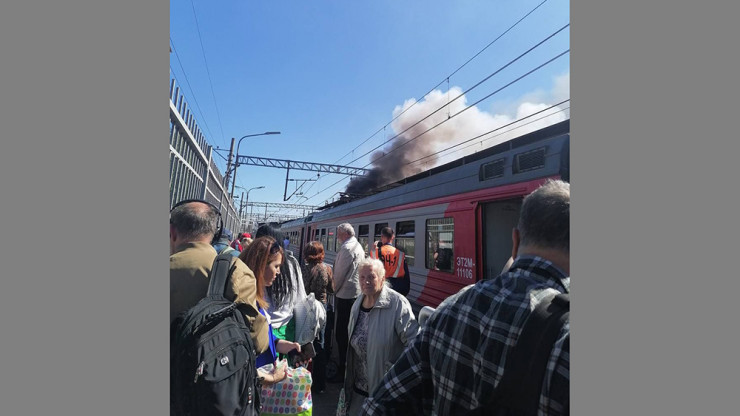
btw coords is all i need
(465, 266)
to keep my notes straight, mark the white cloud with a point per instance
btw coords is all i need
(421, 134)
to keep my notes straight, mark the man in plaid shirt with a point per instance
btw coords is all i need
(458, 359)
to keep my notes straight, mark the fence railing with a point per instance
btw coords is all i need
(193, 173)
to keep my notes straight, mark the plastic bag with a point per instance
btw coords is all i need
(342, 404)
(291, 396)
(310, 318)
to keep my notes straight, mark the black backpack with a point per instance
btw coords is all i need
(212, 356)
(518, 392)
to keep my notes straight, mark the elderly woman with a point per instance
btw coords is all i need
(381, 325)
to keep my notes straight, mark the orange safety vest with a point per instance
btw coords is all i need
(392, 259)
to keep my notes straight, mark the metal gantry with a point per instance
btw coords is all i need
(298, 165)
(281, 205)
(278, 213)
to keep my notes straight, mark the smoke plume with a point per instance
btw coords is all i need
(400, 158)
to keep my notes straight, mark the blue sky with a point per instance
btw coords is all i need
(330, 74)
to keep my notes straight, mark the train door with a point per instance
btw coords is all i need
(498, 218)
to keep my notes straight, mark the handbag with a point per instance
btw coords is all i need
(310, 318)
(291, 396)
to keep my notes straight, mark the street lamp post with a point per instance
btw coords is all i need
(236, 159)
(246, 201)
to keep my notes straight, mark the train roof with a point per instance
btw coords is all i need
(410, 189)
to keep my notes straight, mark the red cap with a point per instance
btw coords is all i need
(247, 235)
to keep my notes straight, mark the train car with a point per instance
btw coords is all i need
(454, 221)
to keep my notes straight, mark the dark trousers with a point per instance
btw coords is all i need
(401, 285)
(343, 307)
(329, 332)
(318, 369)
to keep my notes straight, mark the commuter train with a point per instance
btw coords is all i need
(454, 221)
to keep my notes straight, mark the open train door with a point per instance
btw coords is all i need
(497, 220)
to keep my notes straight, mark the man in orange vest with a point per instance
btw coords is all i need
(396, 269)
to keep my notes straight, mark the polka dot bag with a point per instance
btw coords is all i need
(291, 396)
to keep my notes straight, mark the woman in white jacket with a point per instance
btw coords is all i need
(381, 325)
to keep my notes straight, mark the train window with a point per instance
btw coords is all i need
(323, 237)
(440, 244)
(405, 239)
(331, 240)
(379, 227)
(362, 236)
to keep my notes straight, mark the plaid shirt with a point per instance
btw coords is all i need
(458, 358)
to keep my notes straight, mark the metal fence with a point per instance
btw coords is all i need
(193, 173)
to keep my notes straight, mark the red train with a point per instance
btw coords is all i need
(454, 221)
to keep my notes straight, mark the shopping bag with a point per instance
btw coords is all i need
(291, 396)
(310, 317)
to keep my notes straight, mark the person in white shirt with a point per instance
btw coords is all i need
(346, 289)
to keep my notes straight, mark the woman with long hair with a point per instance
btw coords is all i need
(317, 278)
(264, 257)
(286, 290)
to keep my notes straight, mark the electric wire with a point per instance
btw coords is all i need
(466, 108)
(507, 131)
(192, 92)
(495, 130)
(447, 78)
(484, 134)
(473, 87)
(462, 94)
(208, 72)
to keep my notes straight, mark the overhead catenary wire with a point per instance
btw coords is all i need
(208, 72)
(192, 92)
(495, 130)
(473, 87)
(473, 138)
(502, 133)
(459, 96)
(466, 108)
(447, 78)
(479, 136)
(437, 125)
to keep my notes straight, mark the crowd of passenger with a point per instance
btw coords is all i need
(387, 362)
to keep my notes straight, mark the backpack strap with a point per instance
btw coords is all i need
(227, 249)
(220, 272)
(525, 368)
(518, 392)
